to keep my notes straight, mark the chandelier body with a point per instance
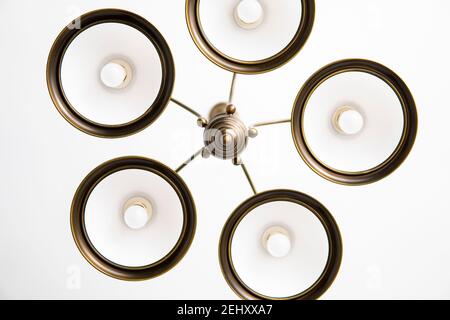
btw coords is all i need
(277, 214)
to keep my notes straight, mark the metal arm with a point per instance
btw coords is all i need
(191, 158)
(185, 107)
(268, 123)
(247, 175)
(233, 83)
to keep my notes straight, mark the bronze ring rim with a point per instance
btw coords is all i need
(334, 244)
(409, 128)
(249, 67)
(108, 267)
(56, 57)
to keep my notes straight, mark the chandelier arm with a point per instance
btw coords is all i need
(249, 178)
(269, 123)
(185, 107)
(233, 84)
(189, 160)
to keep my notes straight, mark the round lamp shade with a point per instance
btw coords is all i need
(133, 218)
(354, 122)
(250, 36)
(281, 245)
(113, 76)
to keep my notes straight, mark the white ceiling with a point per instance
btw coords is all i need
(395, 232)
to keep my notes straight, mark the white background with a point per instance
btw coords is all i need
(395, 232)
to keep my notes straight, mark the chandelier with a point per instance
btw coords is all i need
(353, 122)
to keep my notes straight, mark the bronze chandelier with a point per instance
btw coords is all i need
(225, 136)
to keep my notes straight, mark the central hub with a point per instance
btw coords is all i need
(225, 135)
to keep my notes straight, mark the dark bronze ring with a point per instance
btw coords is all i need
(334, 243)
(108, 267)
(64, 106)
(409, 129)
(249, 67)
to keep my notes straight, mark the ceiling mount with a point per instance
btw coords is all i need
(225, 135)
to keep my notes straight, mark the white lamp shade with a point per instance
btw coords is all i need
(280, 22)
(83, 68)
(377, 117)
(112, 75)
(354, 121)
(296, 271)
(250, 36)
(110, 234)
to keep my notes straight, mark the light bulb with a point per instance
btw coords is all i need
(249, 14)
(277, 242)
(116, 74)
(348, 120)
(137, 213)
